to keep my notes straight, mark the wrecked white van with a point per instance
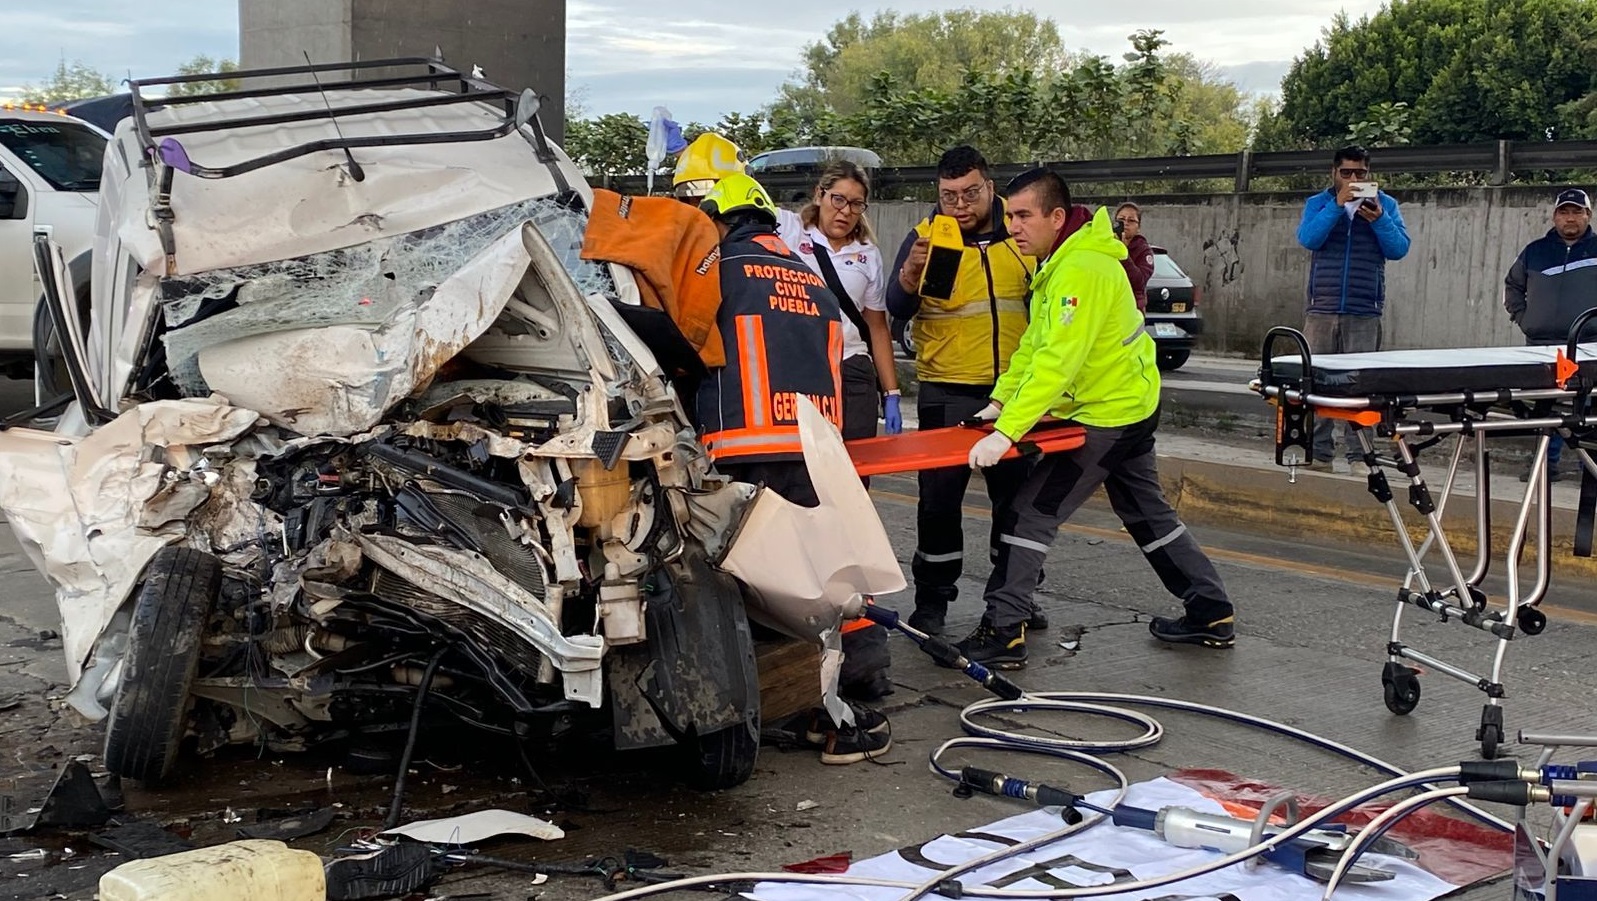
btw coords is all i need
(357, 435)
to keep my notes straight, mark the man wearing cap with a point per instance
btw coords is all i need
(1552, 281)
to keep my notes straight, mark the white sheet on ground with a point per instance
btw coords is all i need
(1103, 854)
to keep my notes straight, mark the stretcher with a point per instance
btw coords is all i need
(1409, 401)
(937, 448)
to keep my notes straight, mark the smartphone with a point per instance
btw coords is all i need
(1365, 189)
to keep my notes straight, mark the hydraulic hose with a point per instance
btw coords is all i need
(1379, 825)
(1013, 701)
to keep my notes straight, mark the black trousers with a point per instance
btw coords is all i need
(939, 514)
(1122, 461)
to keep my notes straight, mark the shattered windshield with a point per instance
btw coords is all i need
(364, 285)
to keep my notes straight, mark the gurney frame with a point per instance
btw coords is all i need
(1474, 416)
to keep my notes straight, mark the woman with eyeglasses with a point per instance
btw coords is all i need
(833, 236)
(1139, 255)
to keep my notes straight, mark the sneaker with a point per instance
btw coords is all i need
(865, 719)
(396, 869)
(1322, 466)
(994, 647)
(1038, 621)
(1221, 633)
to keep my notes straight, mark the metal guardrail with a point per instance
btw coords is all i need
(1500, 159)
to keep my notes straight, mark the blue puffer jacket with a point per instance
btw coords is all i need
(1347, 273)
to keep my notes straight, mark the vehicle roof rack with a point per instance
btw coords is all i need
(421, 72)
(433, 75)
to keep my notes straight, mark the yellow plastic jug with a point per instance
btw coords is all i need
(256, 869)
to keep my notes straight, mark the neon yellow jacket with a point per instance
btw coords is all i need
(1084, 355)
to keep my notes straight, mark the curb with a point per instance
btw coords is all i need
(1339, 507)
(1319, 506)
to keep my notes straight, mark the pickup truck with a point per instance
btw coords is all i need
(49, 182)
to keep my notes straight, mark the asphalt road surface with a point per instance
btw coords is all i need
(1313, 624)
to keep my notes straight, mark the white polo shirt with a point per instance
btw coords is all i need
(858, 265)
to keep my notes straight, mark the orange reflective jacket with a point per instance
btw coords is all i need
(782, 331)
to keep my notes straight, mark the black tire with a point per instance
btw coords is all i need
(50, 367)
(1531, 621)
(1491, 741)
(724, 758)
(170, 609)
(1171, 360)
(905, 336)
(1400, 688)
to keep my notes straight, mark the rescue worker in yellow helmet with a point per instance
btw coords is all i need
(706, 160)
(783, 332)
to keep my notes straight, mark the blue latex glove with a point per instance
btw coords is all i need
(890, 413)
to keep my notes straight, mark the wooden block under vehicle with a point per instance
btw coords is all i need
(790, 677)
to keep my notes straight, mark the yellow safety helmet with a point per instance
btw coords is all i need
(738, 192)
(704, 162)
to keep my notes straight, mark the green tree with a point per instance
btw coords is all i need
(73, 81)
(612, 144)
(1465, 70)
(920, 50)
(204, 65)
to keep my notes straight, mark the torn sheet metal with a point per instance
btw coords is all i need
(809, 567)
(91, 512)
(471, 581)
(470, 828)
(549, 326)
(339, 380)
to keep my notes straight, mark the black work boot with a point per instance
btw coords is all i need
(931, 609)
(994, 647)
(1217, 633)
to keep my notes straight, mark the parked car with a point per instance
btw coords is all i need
(904, 334)
(808, 162)
(1172, 315)
(49, 179)
(356, 427)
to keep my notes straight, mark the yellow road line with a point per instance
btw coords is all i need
(1330, 572)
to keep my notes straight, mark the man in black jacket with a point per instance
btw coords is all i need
(1553, 281)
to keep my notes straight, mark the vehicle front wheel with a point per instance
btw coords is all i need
(723, 758)
(1171, 360)
(170, 610)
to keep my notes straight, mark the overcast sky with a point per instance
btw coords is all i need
(630, 55)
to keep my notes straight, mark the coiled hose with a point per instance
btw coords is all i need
(1111, 706)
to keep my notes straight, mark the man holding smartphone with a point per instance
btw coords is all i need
(1351, 229)
(963, 342)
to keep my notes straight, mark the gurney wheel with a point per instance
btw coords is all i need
(1400, 688)
(1491, 737)
(1531, 621)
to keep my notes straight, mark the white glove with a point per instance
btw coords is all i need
(989, 450)
(988, 413)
